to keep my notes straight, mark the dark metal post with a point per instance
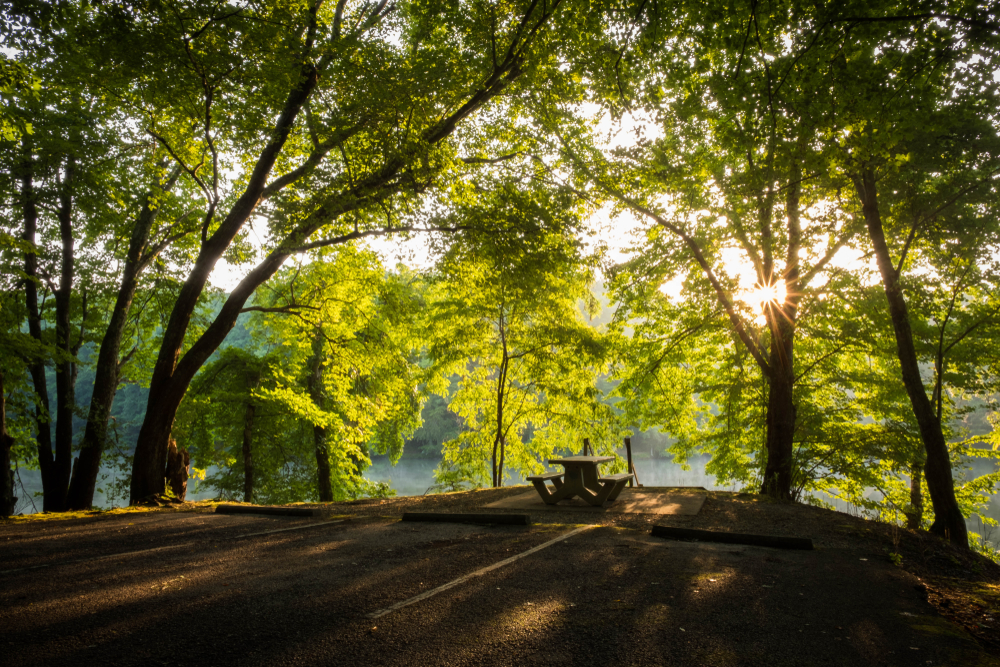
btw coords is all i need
(631, 467)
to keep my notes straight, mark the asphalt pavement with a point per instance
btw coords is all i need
(208, 589)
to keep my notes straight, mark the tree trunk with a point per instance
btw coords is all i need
(323, 480)
(88, 463)
(781, 318)
(315, 382)
(948, 520)
(503, 451)
(172, 373)
(66, 364)
(777, 481)
(169, 381)
(43, 422)
(7, 498)
(177, 470)
(916, 514)
(248, 454)
(498, 440)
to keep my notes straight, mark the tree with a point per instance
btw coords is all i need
(340, 149)
(86, 184)
(350, 331)
(505, 319)
(145, 244)
(921, 155)
(827, 77)
(254, 444)
(731, 171)
(19, 349)
(59, 169)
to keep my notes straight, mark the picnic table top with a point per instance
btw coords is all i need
(581, 459)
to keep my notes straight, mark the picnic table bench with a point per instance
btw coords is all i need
(582, 479)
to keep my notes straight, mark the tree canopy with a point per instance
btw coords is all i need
(810, 295)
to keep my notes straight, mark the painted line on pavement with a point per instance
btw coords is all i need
(488, 568)
(281, 530)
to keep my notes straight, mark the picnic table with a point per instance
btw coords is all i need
(582, 479)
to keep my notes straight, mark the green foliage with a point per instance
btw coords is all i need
(734, 126)
(15, 80)
(438, 424)
(333, 347)
(226, 399)
(505, 319)
(355, 326)
(418, 122)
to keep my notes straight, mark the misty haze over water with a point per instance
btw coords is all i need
(409, 477)
(415, 476)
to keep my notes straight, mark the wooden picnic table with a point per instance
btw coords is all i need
(581, 479)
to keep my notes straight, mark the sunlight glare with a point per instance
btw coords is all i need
(766, 294)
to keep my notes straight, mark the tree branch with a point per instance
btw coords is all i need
(293, 308)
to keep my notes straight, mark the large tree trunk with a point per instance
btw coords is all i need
(106, 374)
(780, 419)
(170, 377)
(43, 422)
(7, 498)
(66, 364)
(323, 480)
(177, 470)
(948, 519)
(781, 318)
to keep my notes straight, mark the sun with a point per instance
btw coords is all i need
(767, 294)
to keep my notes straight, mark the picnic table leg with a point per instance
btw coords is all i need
(566, 488)
(603, 496)
(543, 491)
(619, 487)
(590, 478)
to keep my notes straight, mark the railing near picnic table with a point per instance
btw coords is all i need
(628, 453)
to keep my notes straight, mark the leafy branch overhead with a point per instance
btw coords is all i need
(788, 210)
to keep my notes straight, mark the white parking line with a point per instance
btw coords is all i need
(281, 530)
(488, 568)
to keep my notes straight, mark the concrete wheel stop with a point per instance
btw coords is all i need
(446, 517)
(774, 541)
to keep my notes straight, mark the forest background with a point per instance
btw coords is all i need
(807, 300)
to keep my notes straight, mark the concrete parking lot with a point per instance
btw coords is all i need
(210, 589)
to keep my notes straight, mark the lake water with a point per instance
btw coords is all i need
(415, 477)
(409, 478)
